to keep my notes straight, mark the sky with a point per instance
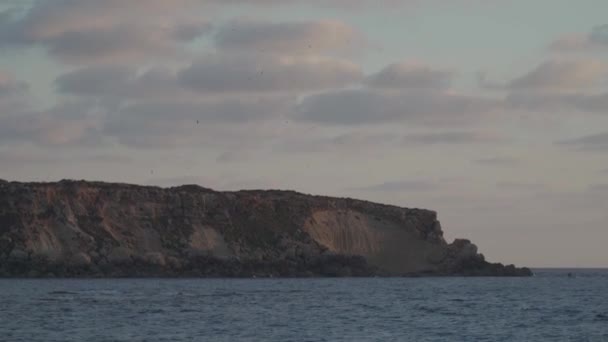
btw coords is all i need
(493, 113)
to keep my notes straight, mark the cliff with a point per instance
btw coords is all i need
(78, 228)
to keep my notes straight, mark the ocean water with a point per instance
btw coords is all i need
(548, 307)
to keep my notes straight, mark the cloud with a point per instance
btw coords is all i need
(358, 141)
(74, 122)
(555, 101)
(593, 142)
(594, 40)
(121, 43)
(369, 106)
(598, 188)
(235, 109)
(498, 161)
(561, 75)
(525, 186)
(599, 34)
(344, 4)
(305, 37)
(149, 124)
(213, 75)
(409, 76)
(117, 31)
(120, 82)
(96, 80)
(10, 86)
(232, 156)
(52, 156)
(90, 31)
(262, 73)
(362, 139)
(210, 122)
(454, 137)
(398, 186)
(570, 42)
(559, 86)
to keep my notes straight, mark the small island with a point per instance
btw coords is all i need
(95, 229)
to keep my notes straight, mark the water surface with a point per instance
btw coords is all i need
(548, 307)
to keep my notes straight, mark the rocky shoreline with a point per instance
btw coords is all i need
(95, 229)
(329, 266)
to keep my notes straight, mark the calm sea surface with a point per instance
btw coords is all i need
(548, 307)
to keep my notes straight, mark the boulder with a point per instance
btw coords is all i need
(80, 259)
(19, 254)
(155, 258)
(120, 255)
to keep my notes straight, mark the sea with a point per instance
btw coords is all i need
(554, 305)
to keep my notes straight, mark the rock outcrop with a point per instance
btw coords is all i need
(79, 228)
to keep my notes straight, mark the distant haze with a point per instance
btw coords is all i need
(493, 113)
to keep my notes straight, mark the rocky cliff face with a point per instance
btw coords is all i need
(77, 228)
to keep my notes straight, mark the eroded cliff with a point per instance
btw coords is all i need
(78, 228)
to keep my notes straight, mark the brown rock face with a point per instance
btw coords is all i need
(78, 228)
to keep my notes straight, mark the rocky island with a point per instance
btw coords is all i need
(94, 229)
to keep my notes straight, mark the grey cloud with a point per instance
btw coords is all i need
(455, 137)
(9, 31)
(526, 186)
(410, 76)
(561, 75)
(64, 124)
(498, 161)
(366, 106)
(9, 86)
(51, 18)
(535, 100)
(169, 123)
(98, 81)
(232, 156)
(597, 103)
(349, 107)
(119, 82)
(542, 101)
(256, 73)
(229, 110)
(191, 31)
(598, 188)
(342, 4)
(287, 37)
(89, 31)
(398, 186)
(214, 75)
(599, 34)
(597, 39)
(570, 42)
(593, 142)
(143, 109)
(48, 156)
(346, 142)
(119, 43)
(361, 139)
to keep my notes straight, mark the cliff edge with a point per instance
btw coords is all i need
(80, 228)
